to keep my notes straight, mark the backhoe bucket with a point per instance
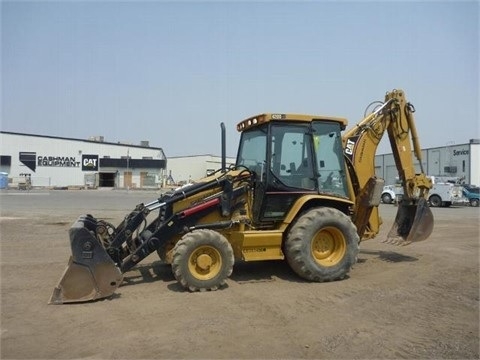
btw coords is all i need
(413, 223)
(91, 274)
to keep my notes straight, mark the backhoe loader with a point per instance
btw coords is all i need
(299, 191)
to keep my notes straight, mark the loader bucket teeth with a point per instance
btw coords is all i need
(413, 223)
(90, 274)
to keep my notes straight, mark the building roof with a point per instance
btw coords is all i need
(81, 140)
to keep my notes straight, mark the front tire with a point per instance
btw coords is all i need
(474, 202)
(322, 245)
(202, 260)
(387, 198)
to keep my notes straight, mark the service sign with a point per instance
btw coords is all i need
(89, 162)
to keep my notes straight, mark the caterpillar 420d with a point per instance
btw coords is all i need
(299, 191)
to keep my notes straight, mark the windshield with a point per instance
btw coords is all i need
(253, 149)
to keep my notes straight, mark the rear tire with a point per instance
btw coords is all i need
(322, 245)
(435, 201)
(202, 260)
(474, 202)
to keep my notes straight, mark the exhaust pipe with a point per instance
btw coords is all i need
(224, 152)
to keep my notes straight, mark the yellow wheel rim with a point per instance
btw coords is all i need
(205, 262)
(329, 246)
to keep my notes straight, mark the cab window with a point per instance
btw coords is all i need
(291, 161)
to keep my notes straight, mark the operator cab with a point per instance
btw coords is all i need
(291, 155)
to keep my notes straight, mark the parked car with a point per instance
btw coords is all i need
(472, 193)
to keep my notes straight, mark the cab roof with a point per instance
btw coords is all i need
(267, 117)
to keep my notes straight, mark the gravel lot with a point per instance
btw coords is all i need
(418, 301)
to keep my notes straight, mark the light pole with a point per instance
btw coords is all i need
(128, 182)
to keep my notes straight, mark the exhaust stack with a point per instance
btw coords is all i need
(224, 152)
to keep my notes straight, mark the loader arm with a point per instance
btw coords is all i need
(414, 221)
(102, 253)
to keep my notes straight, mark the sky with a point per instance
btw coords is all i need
(169, 72)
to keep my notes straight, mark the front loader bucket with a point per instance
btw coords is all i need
(413, 223)
(91, 274)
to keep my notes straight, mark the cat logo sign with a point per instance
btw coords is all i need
(89, 162)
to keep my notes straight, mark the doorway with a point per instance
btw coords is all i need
(106, 179)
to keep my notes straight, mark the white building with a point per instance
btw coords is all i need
(49, 161)
(460, 161)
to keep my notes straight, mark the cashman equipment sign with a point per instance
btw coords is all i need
(31, 160)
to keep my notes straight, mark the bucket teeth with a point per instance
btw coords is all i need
(399, 241)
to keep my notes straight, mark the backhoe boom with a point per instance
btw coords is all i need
(394, 116)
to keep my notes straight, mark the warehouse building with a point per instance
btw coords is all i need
(49, 161)
(460, 162)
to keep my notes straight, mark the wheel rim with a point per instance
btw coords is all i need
(205, 262)
(329, 246)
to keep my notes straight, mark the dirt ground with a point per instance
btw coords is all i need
(418, 301)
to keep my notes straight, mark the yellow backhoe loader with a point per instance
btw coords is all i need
(299, 191)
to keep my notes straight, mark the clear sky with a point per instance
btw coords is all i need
(171, 71)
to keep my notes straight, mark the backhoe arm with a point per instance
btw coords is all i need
(414, 221)
(402, 124)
